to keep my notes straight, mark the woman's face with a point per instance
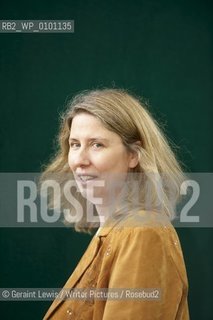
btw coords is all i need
(97, 156)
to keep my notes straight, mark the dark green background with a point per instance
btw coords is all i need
(159, 49)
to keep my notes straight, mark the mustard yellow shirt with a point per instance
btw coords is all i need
(135, 252)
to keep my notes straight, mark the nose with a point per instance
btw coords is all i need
(80, 158)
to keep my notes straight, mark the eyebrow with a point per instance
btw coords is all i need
(91, 139)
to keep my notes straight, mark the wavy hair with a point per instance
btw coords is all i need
(128, 116)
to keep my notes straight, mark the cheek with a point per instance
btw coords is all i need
(113, 162)
(106, 161)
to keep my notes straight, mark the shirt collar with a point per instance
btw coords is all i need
(109, 225)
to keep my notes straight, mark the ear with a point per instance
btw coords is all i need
(134, 159)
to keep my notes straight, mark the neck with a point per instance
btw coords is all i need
(105, 212)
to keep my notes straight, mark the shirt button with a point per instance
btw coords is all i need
(108, 251)
(69, 312)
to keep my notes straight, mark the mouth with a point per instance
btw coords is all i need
(85, 178)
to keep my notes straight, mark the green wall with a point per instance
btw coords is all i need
(159, 49)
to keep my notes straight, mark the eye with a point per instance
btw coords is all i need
(74, 145)
(97, 145)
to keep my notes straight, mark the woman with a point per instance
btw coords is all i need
(126, 171)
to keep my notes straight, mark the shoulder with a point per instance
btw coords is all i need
(142, 228)
(144, 222)
(148, 236)
(144, 218)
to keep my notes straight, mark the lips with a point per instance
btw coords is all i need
(86, 177)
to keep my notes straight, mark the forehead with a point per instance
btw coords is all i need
(85, 123)
(84, 118)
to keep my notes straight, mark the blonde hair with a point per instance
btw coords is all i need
(127, 116)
